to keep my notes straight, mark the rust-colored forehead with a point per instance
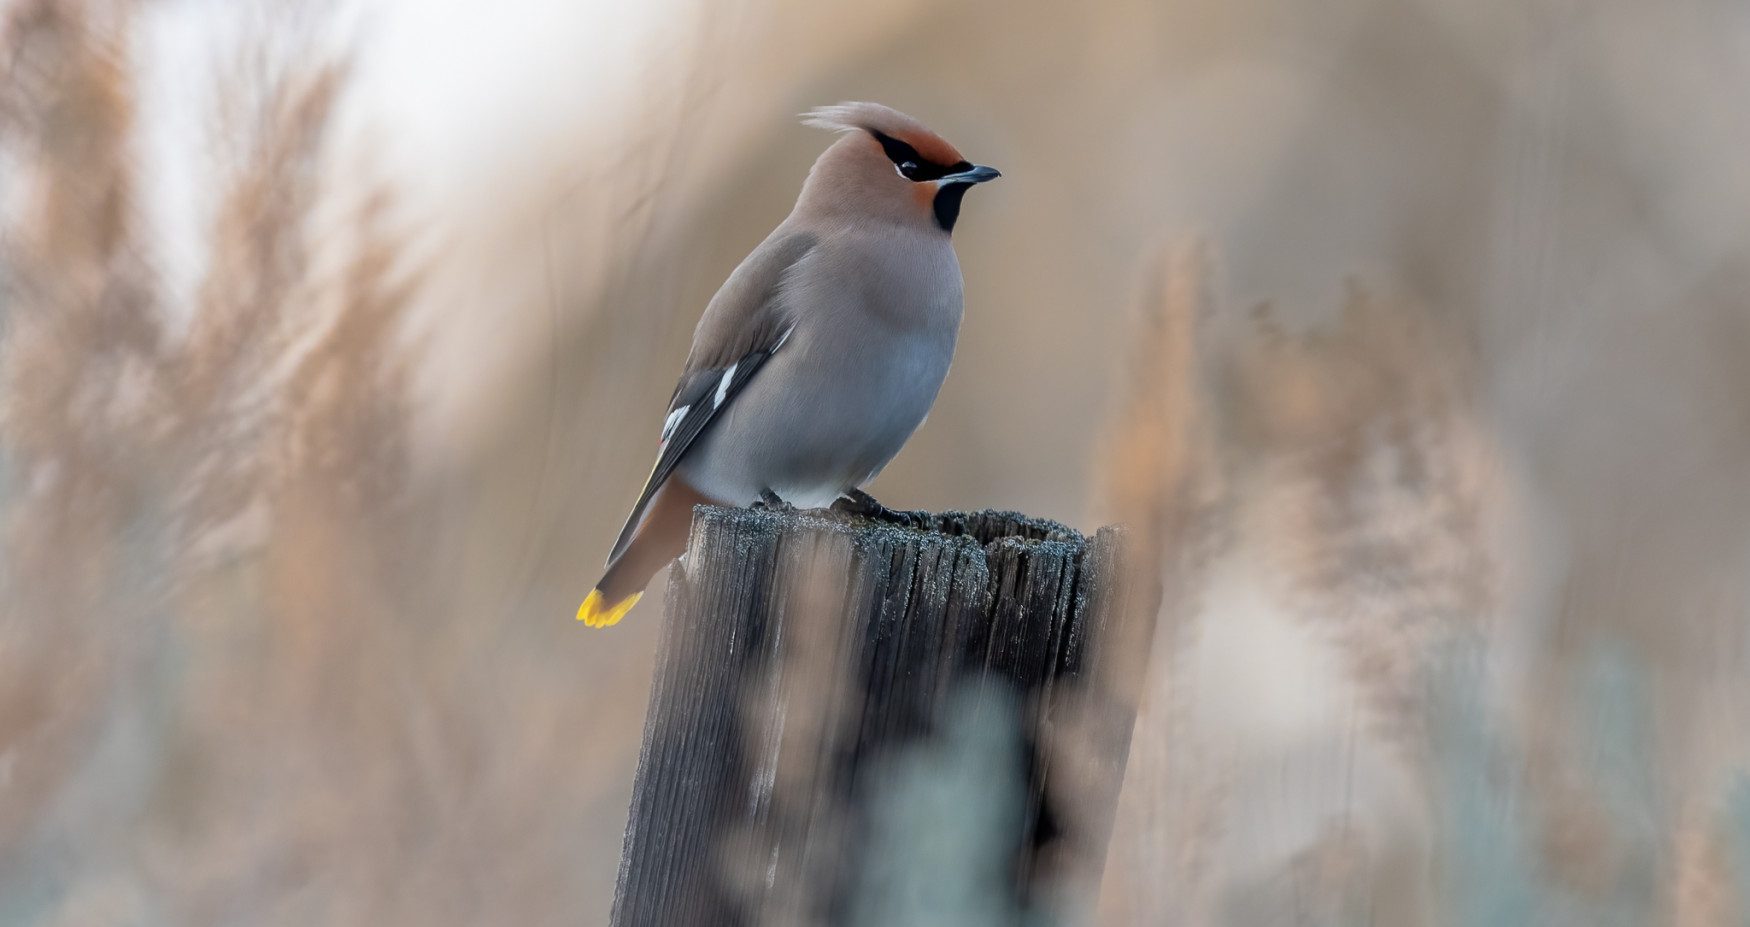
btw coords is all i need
(873, 117)
(933, 147)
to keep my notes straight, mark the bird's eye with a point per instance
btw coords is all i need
(907, 169)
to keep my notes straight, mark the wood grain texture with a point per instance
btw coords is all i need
(853, 722)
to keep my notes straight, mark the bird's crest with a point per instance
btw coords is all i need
(873, 117)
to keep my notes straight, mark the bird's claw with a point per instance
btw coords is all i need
(859, 503)
(770, 502)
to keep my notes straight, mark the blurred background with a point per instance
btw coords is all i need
(1410, 335)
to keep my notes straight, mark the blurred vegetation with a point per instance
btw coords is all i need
(1408, 336)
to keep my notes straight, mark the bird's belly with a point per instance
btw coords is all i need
(808, 427)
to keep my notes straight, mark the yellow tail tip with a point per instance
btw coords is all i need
(596, 613)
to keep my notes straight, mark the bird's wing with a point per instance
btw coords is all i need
(744, 325)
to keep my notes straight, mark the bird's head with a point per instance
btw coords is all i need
(887, 165)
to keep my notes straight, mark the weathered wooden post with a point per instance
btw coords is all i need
(857, 723)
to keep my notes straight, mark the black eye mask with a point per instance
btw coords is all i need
(912, 165)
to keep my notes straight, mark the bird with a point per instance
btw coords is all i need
(821, 353)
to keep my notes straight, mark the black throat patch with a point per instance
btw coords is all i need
(913, 167)
(948, 204)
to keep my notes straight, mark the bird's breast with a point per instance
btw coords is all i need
(874, 334)
(906, 280)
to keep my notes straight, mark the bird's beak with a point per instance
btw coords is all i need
(978, 174)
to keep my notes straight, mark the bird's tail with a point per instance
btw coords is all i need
(661, 536)
(597, 612)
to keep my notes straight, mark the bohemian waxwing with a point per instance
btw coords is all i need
(822, 352)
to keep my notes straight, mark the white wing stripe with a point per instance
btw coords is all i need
(674, 418)
(717, 399)
(723, 386)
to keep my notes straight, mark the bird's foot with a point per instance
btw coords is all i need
(770, 502)
(859, 503)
